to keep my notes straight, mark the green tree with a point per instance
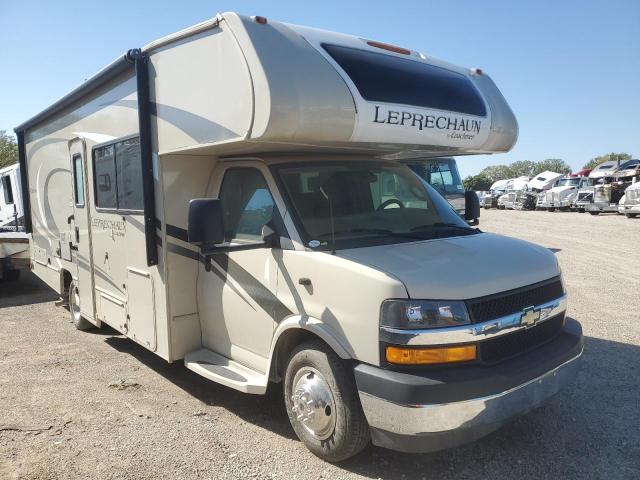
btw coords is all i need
(496, 172)
(522, 168)
(552, 164)
(8, 149)
(594, 162)
(477, 182)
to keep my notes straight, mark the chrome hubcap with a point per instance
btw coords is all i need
(312, 403)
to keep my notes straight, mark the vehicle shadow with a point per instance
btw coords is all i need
(28, 289)
(581, 432)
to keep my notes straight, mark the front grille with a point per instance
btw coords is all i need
(511, 344)
(499, 305)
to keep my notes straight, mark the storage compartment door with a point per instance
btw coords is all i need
(142, 315)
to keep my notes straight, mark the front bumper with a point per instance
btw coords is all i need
(444, 408)
(630, 209)
(601, 207)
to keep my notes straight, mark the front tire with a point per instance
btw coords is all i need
(551, 209)
(77, 319)
(322, 403)
(631, 215)
(594, 213)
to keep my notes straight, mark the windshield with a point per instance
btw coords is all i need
(373, 203)
(629, 164)
(566, 182)
(440, 173)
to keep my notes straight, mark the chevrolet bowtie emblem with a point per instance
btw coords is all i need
(529, 317)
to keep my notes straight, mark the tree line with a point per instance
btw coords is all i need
(528, 168)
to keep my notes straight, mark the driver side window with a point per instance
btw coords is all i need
(247, 204)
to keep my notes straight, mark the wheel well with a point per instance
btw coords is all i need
(289, 340)
(65, 282)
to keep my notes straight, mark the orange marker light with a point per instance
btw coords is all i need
(391, 48)
(431, 356)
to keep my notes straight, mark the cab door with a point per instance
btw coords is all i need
(237, 299)
(79, 237)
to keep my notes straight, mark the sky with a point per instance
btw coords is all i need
(570, 70)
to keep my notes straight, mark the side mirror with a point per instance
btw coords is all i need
(206, 222)
(471, 207)
(270, 237)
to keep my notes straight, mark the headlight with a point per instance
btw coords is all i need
(417, 314)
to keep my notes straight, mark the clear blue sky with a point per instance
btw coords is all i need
(569, 69)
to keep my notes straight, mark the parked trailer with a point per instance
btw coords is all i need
(231, 195)
(14, 244)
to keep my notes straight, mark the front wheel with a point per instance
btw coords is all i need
(594, 213)
(77, 319)
(322, 403)
(551, 209)
(631, 215)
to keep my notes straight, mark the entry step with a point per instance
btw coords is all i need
(226, 372)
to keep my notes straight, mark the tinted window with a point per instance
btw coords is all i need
(247, 204)
(105, 177)
(8, 190)
(441, 174)
(78, 181)
(118, 176)
(129, 175)
(387, 78)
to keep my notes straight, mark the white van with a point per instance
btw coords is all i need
(233, 196)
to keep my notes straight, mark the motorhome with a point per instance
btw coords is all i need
(232, 196)
(442, 174)
(14, 244)
(563, 195)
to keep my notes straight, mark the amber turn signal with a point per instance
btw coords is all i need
(430, 356)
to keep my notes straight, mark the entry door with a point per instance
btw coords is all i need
(236, 295)
(80, 233)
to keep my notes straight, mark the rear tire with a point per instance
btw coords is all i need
(594, 213)
(630, 215)
(551, 209)
(77, 319)
(322, 403)
(581, 210)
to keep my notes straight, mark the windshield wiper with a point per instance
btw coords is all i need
(442, 225)
(373, 231)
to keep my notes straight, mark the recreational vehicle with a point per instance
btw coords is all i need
(232, 196)
(14, 244)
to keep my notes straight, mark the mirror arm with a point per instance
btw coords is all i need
(209, 250)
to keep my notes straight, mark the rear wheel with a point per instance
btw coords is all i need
(581, 210)
(77, 319)
(594, 213)
(631, 215)
(551, 209)
(323, 404)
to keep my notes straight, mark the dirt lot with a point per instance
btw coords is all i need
(96, 405)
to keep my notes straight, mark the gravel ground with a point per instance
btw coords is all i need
(96, 405)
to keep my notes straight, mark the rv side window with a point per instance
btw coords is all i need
(246, 202)
(105, 177)
(8, 190)
(382, 77)
(118, 176)
(78, 181)
(129, 175)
